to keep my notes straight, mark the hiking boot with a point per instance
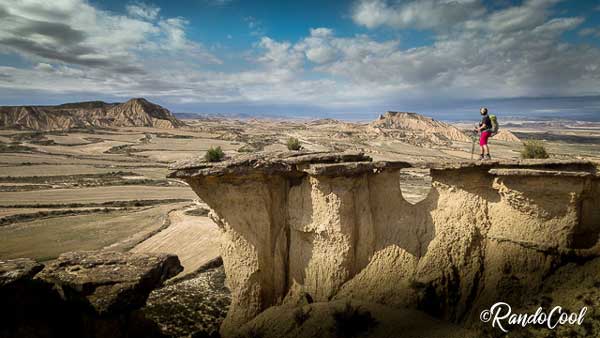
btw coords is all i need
(481, 158)
(487, 157)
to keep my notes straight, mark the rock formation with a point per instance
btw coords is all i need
(333, 227)
(506, 136)
(134, 113)
(416, 128)
(81, 294)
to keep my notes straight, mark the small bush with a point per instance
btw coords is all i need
(246, 149)
(534, 149)
(300, 316)
(214, 154)
(352, 321)
(293, 144)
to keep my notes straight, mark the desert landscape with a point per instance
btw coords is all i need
(299, 169)
(93, 176)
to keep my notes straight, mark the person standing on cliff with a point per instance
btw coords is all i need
(485, 128)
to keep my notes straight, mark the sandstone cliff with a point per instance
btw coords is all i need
(134, 113)
(335, 227)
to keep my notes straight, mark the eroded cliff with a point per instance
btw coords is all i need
(333, 227)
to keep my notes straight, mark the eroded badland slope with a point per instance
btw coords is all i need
(137, 112)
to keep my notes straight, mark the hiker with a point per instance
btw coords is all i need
(485, 128)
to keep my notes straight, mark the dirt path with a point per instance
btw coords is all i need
(195, 239)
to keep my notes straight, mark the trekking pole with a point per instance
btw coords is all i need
(473, 136)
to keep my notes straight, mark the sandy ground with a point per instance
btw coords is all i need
(194, 239)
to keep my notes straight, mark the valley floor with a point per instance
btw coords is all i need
(107, 188)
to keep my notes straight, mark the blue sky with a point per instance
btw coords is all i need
(343, 59)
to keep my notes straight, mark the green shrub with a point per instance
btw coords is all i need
(300, 316)
(293, 144)
(534, 149)
(246, 149)
(351, 321)
(214, 154)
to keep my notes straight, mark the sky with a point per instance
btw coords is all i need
(343, 59)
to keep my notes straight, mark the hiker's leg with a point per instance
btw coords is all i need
(486, 149)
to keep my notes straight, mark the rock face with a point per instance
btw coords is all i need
(136, 112)
(336, 227)
(417, 128)
(110, 281)
(16, 270)
(81, 294)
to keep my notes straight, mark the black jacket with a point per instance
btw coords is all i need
(485, 120)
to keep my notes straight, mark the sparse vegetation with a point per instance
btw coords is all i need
(352, 321)
(81, 180)
(214, 154)
(48, 214)
(246, 149)
(14, 148)
(300, 316)
(293, 144)
(534, 149)
(200, 211)
(114, 204)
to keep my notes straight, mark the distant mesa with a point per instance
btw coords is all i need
(137, 112)
(418, 127)
(506, 136)
(421, 126)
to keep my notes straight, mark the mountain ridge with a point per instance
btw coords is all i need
(136, 112)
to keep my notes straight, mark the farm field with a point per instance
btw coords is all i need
(107, 188)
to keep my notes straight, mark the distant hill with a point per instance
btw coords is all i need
(506, 136)
(416, 129)
(137, 112)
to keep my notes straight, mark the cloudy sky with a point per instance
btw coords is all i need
(349, 59)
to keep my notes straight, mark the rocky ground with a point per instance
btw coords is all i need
(86, 294)
(192, 307)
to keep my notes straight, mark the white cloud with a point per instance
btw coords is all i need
(280, 55)
(595, 32)
(255, 26)
(143, 11)
(422, 14)
(74, 32)
(44, 67)
(516, 51)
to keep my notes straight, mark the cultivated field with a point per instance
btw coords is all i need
(107, 188)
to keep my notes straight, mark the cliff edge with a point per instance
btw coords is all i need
(334, 227)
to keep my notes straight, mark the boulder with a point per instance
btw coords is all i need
(111, 282)
(90, 294)
(17, 270)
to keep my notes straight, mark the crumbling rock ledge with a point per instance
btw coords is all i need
(82, 294)
(334, 226)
